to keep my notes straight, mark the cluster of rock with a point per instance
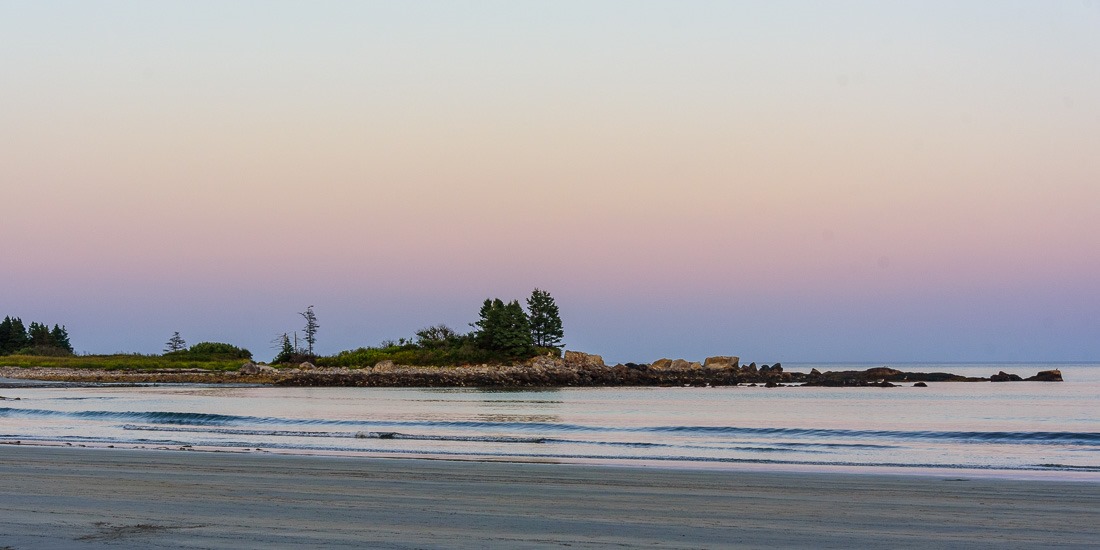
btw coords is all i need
(582, 369)
(574, 369)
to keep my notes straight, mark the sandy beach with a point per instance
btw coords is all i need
(112, 498)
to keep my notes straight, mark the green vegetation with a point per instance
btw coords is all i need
(37, 339)
(210, 351)
(503, 333)
(119, 361)
(504, 329)
(546, 329)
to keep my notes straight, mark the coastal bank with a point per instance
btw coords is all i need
(573, 369)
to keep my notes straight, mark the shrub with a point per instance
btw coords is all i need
(207, 351)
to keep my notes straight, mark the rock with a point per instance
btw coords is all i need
(249, 368)
(1046, 376)
(749, 369)
(545, 362)
(266, 369)
(722, 362)
(306, 365)
(1002, 376)
(815, 372)
(681, 364)
(920, 385)
(581, 359)
(383, 366)
(661, 364)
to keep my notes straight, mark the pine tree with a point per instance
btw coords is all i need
(39, 335)
(503, 328)
(546, 328)
(310, 329)
(60, 338)
(17, 336)
(175, 343)
(5, 336)
(286, 353)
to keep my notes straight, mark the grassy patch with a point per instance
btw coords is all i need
(120, 362)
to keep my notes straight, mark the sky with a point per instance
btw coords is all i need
(783, 181)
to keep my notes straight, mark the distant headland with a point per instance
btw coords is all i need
(572, 369)
(508, 347)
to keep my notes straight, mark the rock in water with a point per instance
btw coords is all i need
(1003, 376)
(1046, 376)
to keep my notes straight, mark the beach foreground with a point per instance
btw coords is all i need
(100, 498)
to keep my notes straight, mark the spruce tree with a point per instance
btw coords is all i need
(286, 353)
(17, 336)
(60, 337)
(546, 328)
(39, 335)
(503, 328)
(310, 329)
(175, 343)
(5, 336)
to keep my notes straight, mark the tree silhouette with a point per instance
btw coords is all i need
(310, 329)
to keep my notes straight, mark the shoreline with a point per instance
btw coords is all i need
(87, 498)
(578, 370)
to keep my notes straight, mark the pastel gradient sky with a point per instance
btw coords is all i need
(784, 181)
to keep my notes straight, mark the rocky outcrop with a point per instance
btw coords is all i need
(1003, 376)
(251, 368)
(580, 359)
(877, 377)
(576, 369)
(1046, 376)
(722, 362)
(661, 364)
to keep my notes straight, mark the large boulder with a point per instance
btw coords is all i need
(1046, 376)
(383, 366)
(682, 364)
(722, 362)
(249, 368)
(661, 364)
(545, 362)
(581, 359)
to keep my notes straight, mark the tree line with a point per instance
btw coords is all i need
(503, 331)
(34, 339)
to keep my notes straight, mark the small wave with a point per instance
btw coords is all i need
(1069, 467)
(543, 430)
(356, 435)
(162, 417)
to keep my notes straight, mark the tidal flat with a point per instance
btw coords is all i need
(113, 498)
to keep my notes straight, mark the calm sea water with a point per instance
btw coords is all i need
(1004, 428)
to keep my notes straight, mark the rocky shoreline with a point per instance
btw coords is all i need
(575, 369)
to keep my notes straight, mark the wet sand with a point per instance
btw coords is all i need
(113, 498)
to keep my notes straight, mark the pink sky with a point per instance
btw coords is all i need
(780, 181)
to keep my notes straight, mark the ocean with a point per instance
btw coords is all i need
(1013, 429)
